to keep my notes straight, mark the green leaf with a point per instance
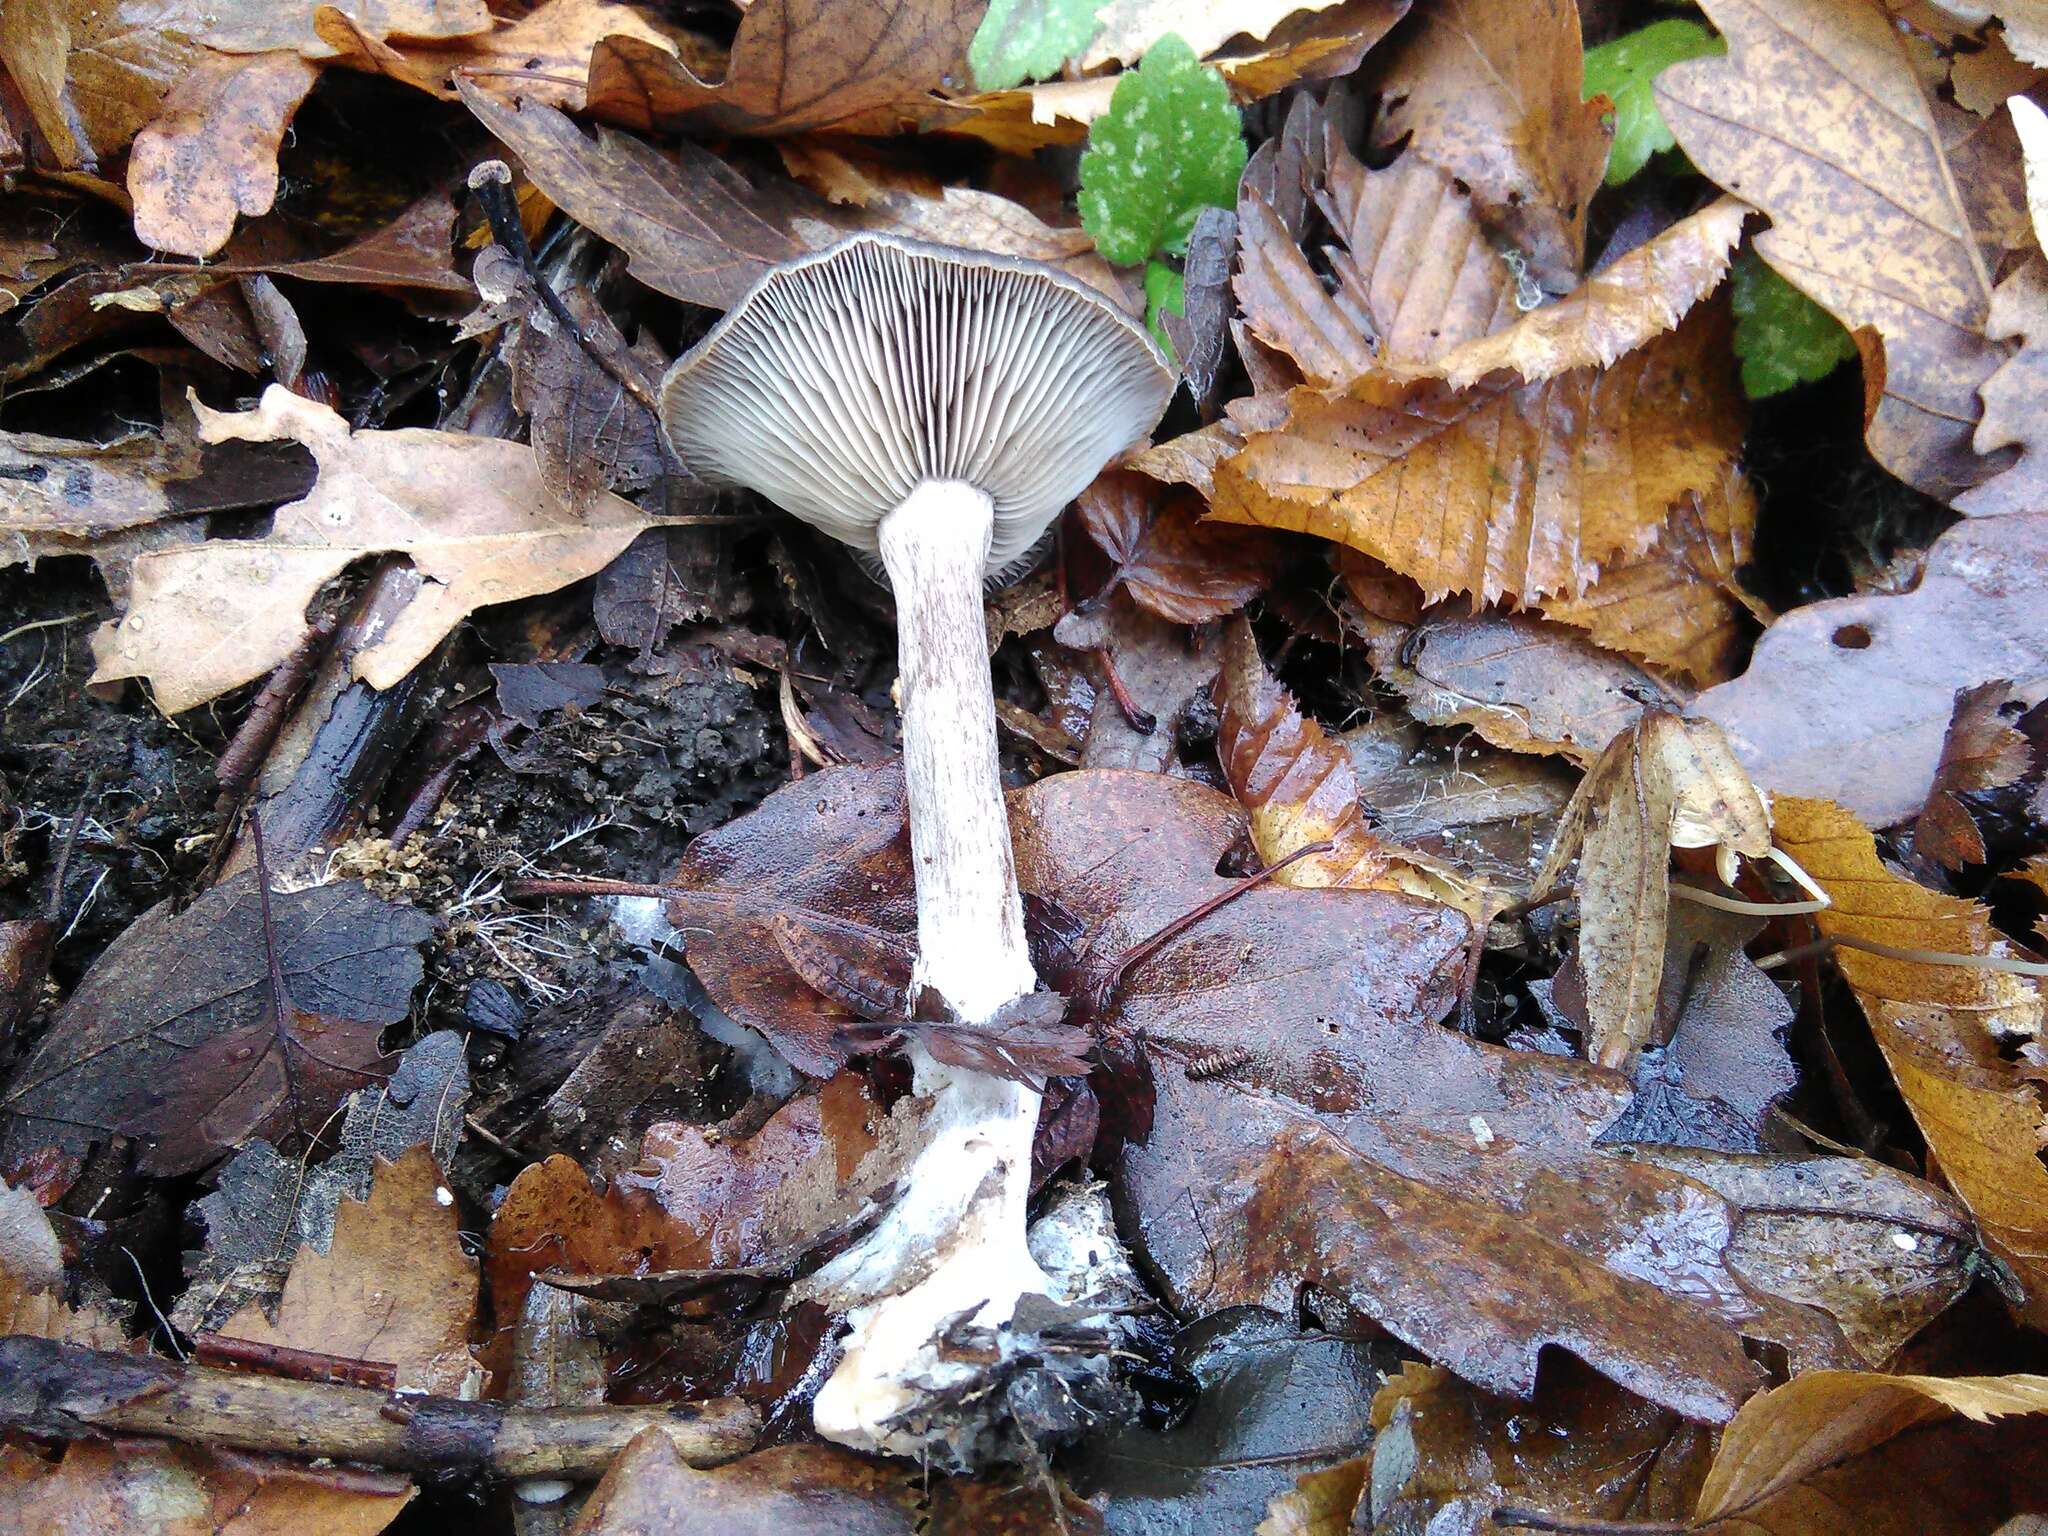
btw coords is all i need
(1624, 70)
(1165, 290)
(1021, 40)
(1782, 336)
(1170, 145)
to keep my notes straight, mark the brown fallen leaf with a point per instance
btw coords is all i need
(33, 1286)
(1489, 94)
(1171, 561)
(171, 1036)
(1521, 683)
(394, 1285)
(1678, 606)
(180, 1490)
(1888, 208)
(1298, 788)
(1666, 783)
(1320, 1503)
(212, 152)
(1583, 1450)
(1643, 294)
(795, 65)
(1980, 751)
(62, 494)
(252, 27)
(1942, 1028)
(1834, 1451)
(1848, 700)
(1521, 491)
(1983, 79)
(589, 434)
(470, 511)
(1347, 1141)
(2014, 413)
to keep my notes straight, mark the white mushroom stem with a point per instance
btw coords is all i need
(954, 1243)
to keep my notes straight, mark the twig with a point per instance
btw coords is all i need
(65, 1392)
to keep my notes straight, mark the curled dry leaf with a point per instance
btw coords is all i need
(1848, 700)
(1833, 1451)
(1298, 788)
(1943, 1030)
(1489, 94)
(394, 1285)
(1520, 491)
(469, 511)
(1643, 294)
(1171, 561)
(1666, 783)
(1889, 208)
(212, 154)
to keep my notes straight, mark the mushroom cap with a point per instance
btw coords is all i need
(846, 378)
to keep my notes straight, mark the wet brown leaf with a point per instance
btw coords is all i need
(1981, 751)
(1942, 1029)
(1521, 491)
(394, 1285)
(1583, 1449)
(1666, 783)
(589, 434)
(1171, 561)
(1888, 208)
(178, 1490)
(1833, 1453)
(1489, 95)
(796, 65)
(1349, 1142)
(211, 154)
(832, 852)
(1678, 606)
(1848, 700)
(470, 511)
(34, 1291)
(1298, 788)
(170, 1037)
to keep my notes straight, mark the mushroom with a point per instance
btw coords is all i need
(936, 408)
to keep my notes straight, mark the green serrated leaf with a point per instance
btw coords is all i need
(1782, 336)
(1170, 145)
(1624, 71)
(1165, 290)
(1021, 40)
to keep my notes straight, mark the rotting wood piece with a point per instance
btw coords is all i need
(64, 1392)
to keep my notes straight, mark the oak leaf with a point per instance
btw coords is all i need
(470, 512)
(2016, 396)
(1848, 699)
(1943, 1028)
(1888, 208)
(1516, 490)
(394, 1286)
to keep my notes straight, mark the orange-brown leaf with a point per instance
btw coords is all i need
(1942, 1029)
(1522, 491)
(1678, 606)
(1168, 558)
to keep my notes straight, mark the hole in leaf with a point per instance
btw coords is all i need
(1852, 637)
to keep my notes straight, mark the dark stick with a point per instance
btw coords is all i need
(64, 1392)
(267, 711)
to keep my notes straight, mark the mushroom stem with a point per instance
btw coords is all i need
(970, 923)
(954, 1243)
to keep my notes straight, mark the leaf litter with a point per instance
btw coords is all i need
(1527, 801)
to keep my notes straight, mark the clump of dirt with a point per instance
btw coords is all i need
(145, 783)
